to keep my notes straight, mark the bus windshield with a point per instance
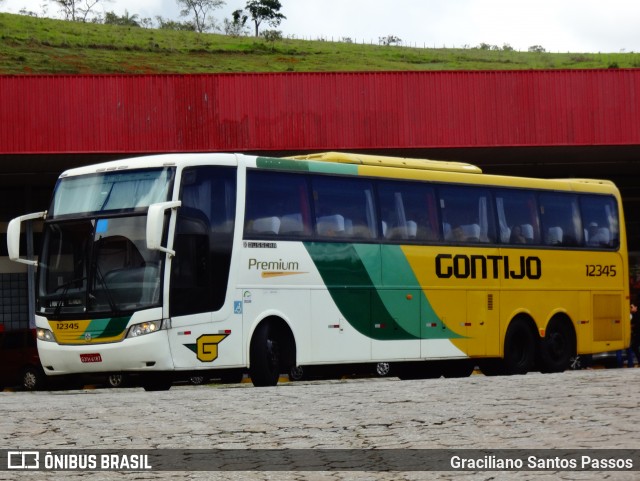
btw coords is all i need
(98, 266)
(114, 191)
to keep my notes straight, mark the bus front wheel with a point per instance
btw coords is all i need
(266, 356)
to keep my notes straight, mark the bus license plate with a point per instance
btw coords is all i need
(96, 357)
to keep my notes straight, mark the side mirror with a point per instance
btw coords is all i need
(13, 237)
(155, 225)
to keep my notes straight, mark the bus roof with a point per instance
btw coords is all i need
(415, 168)
(152, 161)
(588, 181)
(382, 161)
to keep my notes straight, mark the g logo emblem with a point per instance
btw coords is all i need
(207, 346)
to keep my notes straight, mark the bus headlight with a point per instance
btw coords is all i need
(144, 328)
(45, 335)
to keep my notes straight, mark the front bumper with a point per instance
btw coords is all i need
(146, 353)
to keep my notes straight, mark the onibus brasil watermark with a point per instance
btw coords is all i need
(320, 460)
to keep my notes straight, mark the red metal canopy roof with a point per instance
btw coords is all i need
(318, 111)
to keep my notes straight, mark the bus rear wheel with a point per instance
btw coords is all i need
(266, 356)
(557, 347)
(519, 348)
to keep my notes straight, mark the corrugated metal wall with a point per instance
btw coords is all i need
(318, 111)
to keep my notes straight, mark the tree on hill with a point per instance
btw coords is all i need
(168, 24)
(200, 9)
(127, 20)
(78, 10)
(265, 10)
(236, 27)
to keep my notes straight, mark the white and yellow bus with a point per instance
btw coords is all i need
(180, 263)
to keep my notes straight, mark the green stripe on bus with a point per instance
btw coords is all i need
(306, 166)
(107, 327)
(381, 311)
(399, 281)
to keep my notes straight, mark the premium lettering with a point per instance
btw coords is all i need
(462, 266)
(278, 265)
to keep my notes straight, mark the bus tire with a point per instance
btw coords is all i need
(557, 347)
(265, 356)
(519, 347)
(33, 379)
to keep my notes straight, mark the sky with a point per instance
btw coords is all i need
(556, 25)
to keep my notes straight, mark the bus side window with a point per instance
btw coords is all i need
(517, 217)
(292, 224)
(600, 221)
(560, 217)
(468, 211)
(344, 208)
(204, 240)
(277, 206)
(408, 211)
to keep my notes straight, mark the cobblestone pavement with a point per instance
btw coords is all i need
(573, 410)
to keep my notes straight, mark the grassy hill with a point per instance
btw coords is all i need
(31, 45)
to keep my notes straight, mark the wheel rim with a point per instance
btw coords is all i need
(557, 346)
(296, 373)
(115, 380)
(383, 368)
(576, 362)
(30, 380)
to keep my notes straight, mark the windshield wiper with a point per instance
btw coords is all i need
(99, 276)
(106, 199)
(65, 287)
